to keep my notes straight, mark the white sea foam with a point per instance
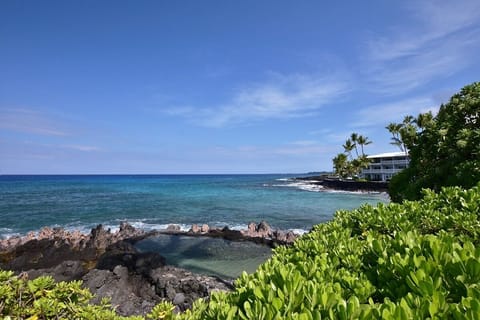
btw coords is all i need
(145, 225)
(299, 231)
(312, 186)
(238, 227)
(221, 224)
(6, 233)
(357, 192)
(344, 191)
(138, 224)
(302, 186)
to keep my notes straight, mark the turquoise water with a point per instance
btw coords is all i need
(211, 256)
(28, 203)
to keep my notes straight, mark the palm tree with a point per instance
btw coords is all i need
(340, 164)
(404, 134)
(348, 147)
(363, 162)
(360, 163)
(345, 164)
(424, 119)
(394, 129)
(408, 119)
(363, 141)
(354, 139)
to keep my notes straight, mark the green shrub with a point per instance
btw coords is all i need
(444, 149)
(42, 298)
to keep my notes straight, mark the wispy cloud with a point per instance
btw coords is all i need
(442, 38)
(382, 114)
(282, 97)
(304, 143)
(289, 149)
(83, 148)
(30, 121)
(306, 150)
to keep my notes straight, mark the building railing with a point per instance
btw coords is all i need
(392, 162)
(381, 171)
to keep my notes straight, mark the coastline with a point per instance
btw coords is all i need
(330, 184)
(154, 202)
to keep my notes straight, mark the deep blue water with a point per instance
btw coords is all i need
(28, 203)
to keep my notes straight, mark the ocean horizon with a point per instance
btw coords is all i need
(154, 201)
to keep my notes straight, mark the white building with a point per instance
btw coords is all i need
(383, 166)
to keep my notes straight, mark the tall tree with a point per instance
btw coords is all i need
(394, 129)
(444, 150)
(340, 164)
(348, 148)
(424, 120)
(345, 164)
(363, 141)
(403, 133)
(354, 139)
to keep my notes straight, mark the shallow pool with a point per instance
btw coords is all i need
(210, 256)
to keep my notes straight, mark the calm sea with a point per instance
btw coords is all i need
(28, 203)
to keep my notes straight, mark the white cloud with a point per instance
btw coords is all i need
(332, 135)
(304, 143)
(29, 121)
(301, 148)
(383, 114)
(84, 148)
(292, 149)
(282, 97)
(445, 17)
(441, 38)
(309, 150)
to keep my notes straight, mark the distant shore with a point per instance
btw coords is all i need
(331, 183)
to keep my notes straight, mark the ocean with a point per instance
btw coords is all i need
(80, 202)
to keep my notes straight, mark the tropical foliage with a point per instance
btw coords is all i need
(43, 298)
(402, 133)
(444, 150)
(345, 164)
(414, 260)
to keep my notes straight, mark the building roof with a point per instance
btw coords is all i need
(388, 155)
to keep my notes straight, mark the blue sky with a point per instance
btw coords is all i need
(220, 86)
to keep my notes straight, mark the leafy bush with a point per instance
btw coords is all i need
(411, 261)
(43, 298)
(414, 260)
(444, 150)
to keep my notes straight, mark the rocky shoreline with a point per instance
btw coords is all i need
(260, 233)
(332, 183)
(111, 266)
